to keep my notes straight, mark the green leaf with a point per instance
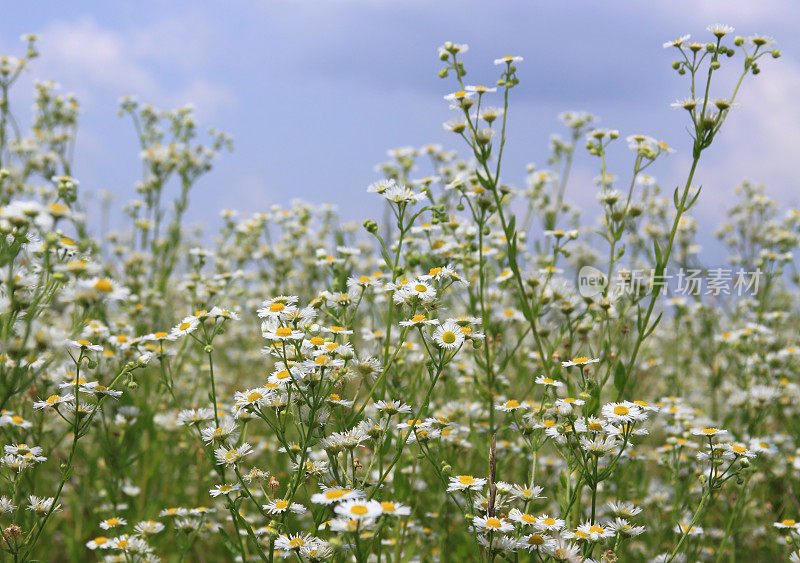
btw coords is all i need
(229, 543)
(512, 249)
(620, 377)
(563, 491)
(694, 199)
(401, 484)
(639, 324)
(653, 326)
(593, 405)
(657, 250)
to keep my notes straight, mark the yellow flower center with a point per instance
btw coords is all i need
(621, 410)
(254, 396)
(281, 504)
(581, 360)
(549, 521)
(297, 542)
(100, 540)
(449, 337)
(336, 493)
(388, 506)
(493, 523)
(512, 404)
(276, 307)
(788, 522)
(528, 518)
(358, 509)
(536, 539)
(184, 326)
(466, 479)
(104, 286)
(283, 331)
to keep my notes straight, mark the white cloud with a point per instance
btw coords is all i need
(95, 62)
(207, 97)
(743, 10)
(762, 138)
(727, 11)
(88, 57)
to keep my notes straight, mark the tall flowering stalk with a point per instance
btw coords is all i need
(434, 387)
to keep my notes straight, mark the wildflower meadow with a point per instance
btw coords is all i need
(484, 372)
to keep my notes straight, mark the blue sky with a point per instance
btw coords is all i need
(315, 91)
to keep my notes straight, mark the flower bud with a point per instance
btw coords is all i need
(371, 226)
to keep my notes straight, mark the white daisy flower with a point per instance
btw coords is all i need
(359, 509)
(448, 336)
(492, 524)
